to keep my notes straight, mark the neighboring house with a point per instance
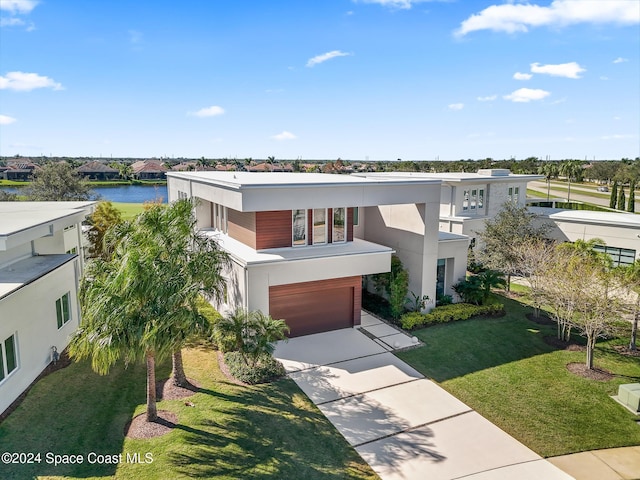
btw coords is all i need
(96, 170)
(149, 170)
(619, 231)
(300, 243)
(19, 170)
(40, 265)
(467, 200)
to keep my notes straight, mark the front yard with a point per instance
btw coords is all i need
(231, 431)
(502, 368)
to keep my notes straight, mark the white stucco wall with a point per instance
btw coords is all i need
(455, 253)
(30, 314)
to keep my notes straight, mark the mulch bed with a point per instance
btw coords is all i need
(541, 320)
(63, 361)
(225, 371)
(597, 374)
(166, 390)
(140, 428)
(560, 345)
(624, 350)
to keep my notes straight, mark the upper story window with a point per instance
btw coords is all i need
(356, 216)
(465, 200)
(69, 227)
(474, 199)
(514, 193)
(319, 226)
(8, 357)
(481, 199)
(299, 227)
(339, 225)
(182, 195)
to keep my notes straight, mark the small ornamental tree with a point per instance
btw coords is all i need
(631, 205)
(613, 199)
(621, 198)
(395, 285)
(58, 182)
(104, 217)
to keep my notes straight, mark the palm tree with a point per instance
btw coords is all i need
(570, 169)
(549, 170)
(141, 303)
(490, 279)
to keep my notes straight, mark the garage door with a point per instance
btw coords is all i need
(314, 307)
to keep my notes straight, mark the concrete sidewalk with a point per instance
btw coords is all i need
(404, 425)
(610, 464)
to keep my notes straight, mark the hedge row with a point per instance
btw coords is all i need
(448, 313)
(266, 370)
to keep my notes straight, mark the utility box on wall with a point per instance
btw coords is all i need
(629, 396)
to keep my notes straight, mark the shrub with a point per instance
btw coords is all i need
(266, 368)
(449, 313)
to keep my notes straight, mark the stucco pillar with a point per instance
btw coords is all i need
(430, 251)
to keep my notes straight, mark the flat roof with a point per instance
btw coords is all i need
(19, 216)
(242, 180)
(23, 272)
(587, 216)
(455, 176)
(449, 237)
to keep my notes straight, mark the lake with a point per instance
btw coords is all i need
(121, 193)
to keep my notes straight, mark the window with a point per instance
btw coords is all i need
(8, 357)
(182, 195)
(69, 227)
(356, 215)
(465, 201)
(620, 256)
(516, 193)
(73, 251)
(481, 199)
(474, 199)
(63, 310)
(299, 227)
(319, 226)
(339, 221)
(440, 274)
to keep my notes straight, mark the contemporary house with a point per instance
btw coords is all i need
(40, 265)
(300, 243)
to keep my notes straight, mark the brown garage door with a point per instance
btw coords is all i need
(314, 307)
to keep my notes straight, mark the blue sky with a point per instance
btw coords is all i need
(366, 79)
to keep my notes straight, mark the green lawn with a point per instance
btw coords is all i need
(503, 369)
(129, 210)
(267, 431)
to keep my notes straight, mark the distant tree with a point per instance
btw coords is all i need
(271, 160)
(631, 206)
(613, 199)
(499, 240)
(8, 196)
(628, 277)
(572, 169)
(57, 181)
(549, 170)
(621, 199)
(104, 217)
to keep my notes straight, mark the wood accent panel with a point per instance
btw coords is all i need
(310, 226)
(242, 226)
(350, 224)
(273, 229)
(329, 225)
(320, 306)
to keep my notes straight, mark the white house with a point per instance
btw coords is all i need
(40, 265)
(301, 242)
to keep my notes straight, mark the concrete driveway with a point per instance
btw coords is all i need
(404, 425)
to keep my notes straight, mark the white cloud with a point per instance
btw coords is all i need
(488, 98)
(326, 56)
(11, 22)
(519, 17)
(620, 60)
(6, 120)
(18, 6)
(567, 70)
(456, 106)
(522, 76)
(284, 135)
(525, 95)
(211, 111)
(25, 82)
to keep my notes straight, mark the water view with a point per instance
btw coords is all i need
(121, 193)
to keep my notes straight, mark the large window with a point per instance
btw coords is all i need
(339, 224)
(620, 256)
(465, 200)
(319, 226)
(481, 199)
(474, 199)
(8, 357)
(356, 216)
(299, 227)
(63, 309)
